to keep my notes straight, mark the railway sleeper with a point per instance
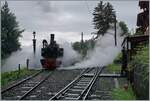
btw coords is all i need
(33, 96)
(79, 84)
(85, 79)
(75, 90)
(83, 82)
(29, 85)
(79, 87)
(71, 95)
(70, 98)
(26, 87)
(24, 91)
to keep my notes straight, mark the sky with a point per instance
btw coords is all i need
(66, 19)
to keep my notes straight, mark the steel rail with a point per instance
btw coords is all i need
(27, 93)
(90, 87)
(90, 83)
(56, 97)
(20, 82)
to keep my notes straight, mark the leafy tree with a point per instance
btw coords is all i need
(86, 46)
(10, 32)
(103, 17)
(124, 28)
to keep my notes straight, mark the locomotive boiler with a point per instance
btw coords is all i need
(50, 53)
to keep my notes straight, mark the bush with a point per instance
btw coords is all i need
(140, 64)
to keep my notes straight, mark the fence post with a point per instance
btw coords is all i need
(124, 61)
(18, 70)
(27, 63)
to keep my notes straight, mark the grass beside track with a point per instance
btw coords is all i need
(10, 77)
(114, 68)
(122, 94)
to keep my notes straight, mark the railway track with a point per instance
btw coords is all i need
(23, 88)
(80, 87)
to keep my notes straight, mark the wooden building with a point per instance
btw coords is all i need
(143, 17)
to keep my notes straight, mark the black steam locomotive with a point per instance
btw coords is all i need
(50, 53)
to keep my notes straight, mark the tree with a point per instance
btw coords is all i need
(103, 16)
(86, 46)
(10, 32)
(124, 28)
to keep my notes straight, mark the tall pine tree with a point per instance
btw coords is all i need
(103, 16)
(10, 32)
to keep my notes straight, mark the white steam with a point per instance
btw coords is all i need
(104, 52)
(70, 55)
(20, 57)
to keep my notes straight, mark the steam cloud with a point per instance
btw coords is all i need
(104, 53)
(70, 56)
(19, 57)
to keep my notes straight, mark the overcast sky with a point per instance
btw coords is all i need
(66, 19)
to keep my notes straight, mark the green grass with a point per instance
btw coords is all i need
(118, 59)
(8, 77)
(122, 94)
(114, 68)
(116, 65)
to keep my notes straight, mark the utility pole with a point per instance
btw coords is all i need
(115, 31)
(82, 42)
(34, 42)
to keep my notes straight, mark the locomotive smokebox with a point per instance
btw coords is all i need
(52, 39)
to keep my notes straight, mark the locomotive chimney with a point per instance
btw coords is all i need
(52, 39)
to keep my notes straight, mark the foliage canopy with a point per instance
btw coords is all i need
(103, 17)
(10, 32)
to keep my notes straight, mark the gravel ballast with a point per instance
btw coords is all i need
(57, 81)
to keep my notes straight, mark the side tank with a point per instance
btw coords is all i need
(50, 52)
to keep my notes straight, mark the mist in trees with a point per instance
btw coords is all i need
(10, 32)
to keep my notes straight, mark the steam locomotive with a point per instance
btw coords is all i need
(50, 53)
